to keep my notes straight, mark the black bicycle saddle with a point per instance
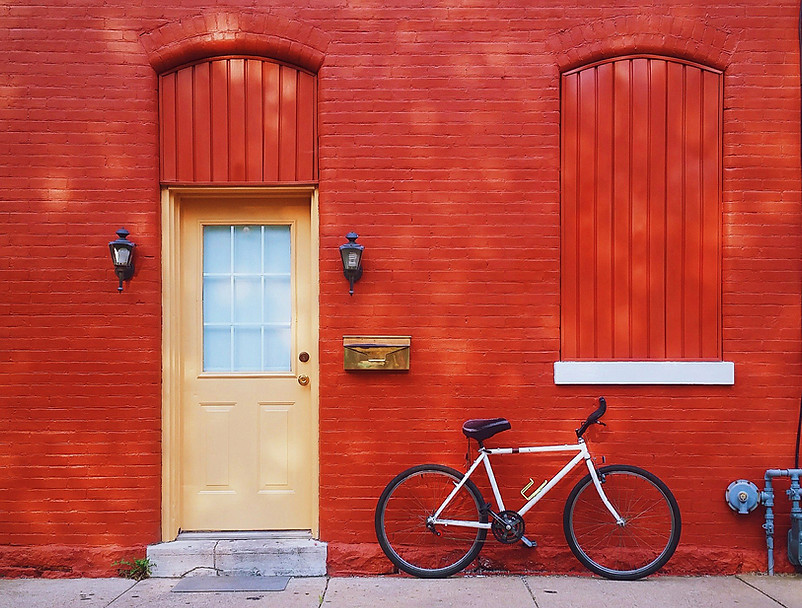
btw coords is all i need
(484, 428)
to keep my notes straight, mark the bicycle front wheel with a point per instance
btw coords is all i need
(407, 537)
(643, 543)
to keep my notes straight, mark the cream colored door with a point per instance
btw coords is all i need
(248, 432)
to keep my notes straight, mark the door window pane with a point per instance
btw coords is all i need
(247, 299)
(216, 249)
(217, 299)
(248, 249)
(277, 249)
(247, 296)
(277, 357)
(217, 349)
(247, 349)
(278, 309)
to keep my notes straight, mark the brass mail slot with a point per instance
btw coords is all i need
(376, 353)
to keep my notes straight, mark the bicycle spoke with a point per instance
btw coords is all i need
(404, 510)
(647, 537)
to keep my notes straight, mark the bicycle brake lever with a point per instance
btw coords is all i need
(600, 422)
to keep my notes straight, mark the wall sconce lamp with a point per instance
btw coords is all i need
(351, 253)
(122, 256)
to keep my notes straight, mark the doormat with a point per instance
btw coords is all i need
(212, 584)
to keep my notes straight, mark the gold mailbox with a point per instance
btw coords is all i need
(389, 353)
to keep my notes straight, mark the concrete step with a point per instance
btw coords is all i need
(237, 553)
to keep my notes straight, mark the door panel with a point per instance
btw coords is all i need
(248, 436)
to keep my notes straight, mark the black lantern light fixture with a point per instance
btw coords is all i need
(351, 254)
(122, 256)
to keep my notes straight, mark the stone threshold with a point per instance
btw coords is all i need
(281, 553)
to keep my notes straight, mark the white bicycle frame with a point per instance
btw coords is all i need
(582, 453)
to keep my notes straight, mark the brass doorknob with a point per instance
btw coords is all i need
(303, 379)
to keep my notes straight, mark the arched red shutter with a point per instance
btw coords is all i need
(641, 227)
(238, 121)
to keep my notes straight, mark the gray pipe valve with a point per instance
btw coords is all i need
(742, 496)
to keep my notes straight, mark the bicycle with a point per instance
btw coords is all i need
(431, 520)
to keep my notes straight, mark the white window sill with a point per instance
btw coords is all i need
(644, 372)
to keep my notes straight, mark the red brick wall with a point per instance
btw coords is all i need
(80, 364)
(439, 144)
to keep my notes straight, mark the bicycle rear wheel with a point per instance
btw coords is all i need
(401, 522)
(646, 540)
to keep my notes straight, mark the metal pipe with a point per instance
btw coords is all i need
(796, 516)
(767, 498)
(793, 494)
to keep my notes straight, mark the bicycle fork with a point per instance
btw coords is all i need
(598, 484)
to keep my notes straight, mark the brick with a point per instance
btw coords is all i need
(439, 142)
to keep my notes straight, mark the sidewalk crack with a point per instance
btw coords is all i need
(323, 595)
(529, 589)
(122, 594)
(214, 558)
(759, 590)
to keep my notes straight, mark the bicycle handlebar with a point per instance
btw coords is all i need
(593, 418)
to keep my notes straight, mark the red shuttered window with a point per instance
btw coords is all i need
(238, 120)
(641, 211)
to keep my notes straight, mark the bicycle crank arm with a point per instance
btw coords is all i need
(529, 543)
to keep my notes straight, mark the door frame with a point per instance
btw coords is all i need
(173, 199)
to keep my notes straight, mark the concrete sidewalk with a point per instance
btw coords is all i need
(748, 591)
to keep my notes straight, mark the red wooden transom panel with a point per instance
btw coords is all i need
(238, 120)
(641, 218)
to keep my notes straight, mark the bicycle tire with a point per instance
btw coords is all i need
(646, 541)
(401, 516)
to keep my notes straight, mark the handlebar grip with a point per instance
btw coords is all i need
(593, 418)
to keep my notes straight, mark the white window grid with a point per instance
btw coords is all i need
(231, 324)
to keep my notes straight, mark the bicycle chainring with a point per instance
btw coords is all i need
(508, 527)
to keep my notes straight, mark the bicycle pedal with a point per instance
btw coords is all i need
(529, 543)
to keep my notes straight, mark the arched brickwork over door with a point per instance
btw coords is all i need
(238, 120)
(641, 210)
